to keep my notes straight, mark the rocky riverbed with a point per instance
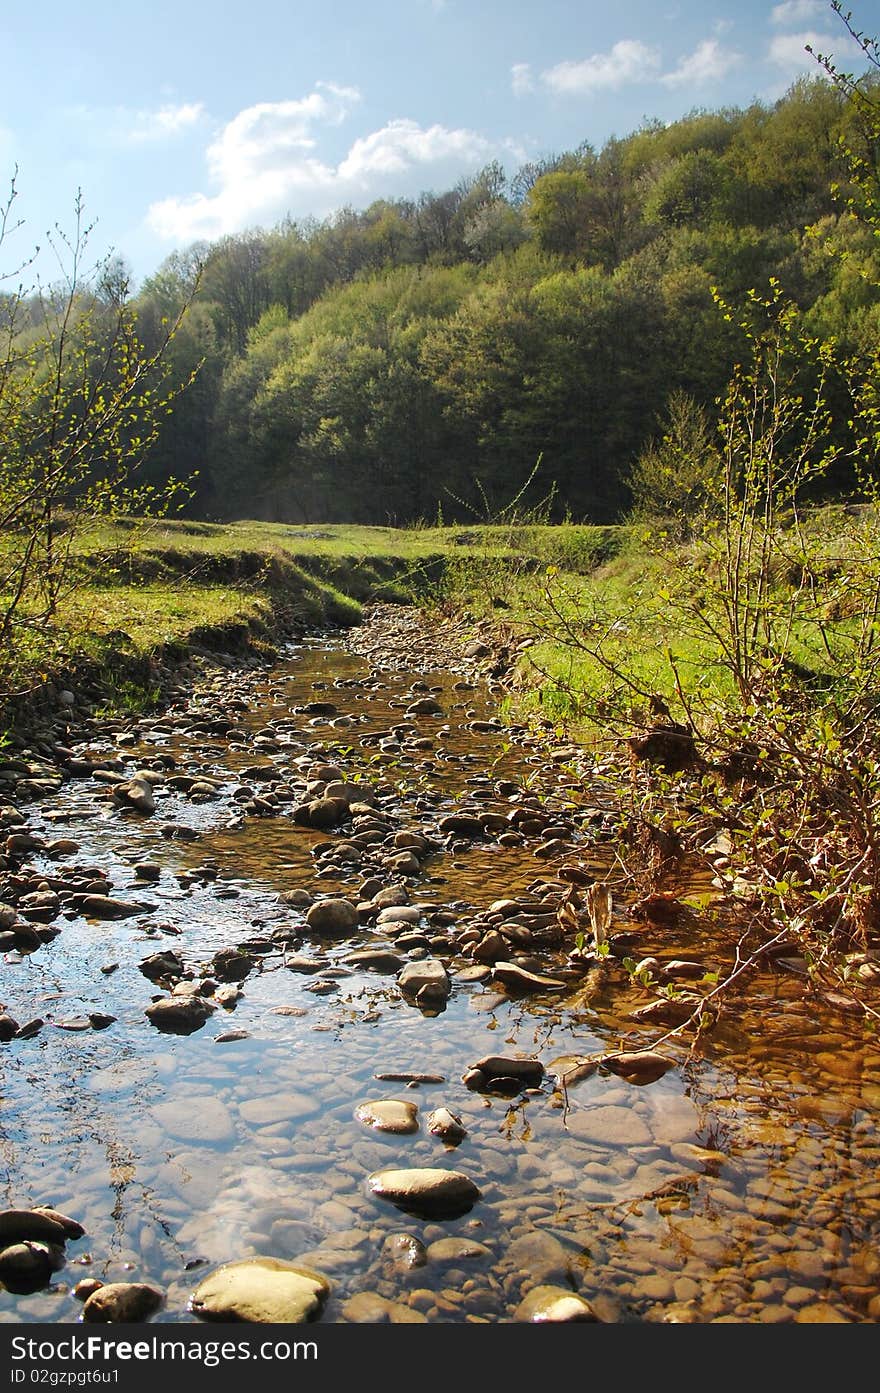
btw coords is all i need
(326, 997)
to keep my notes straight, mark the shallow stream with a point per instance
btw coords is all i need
(742, 1185)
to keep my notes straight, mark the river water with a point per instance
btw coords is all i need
(742, 1185)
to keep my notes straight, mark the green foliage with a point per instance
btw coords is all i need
(675, 479)
(82, 402)
(383, 361)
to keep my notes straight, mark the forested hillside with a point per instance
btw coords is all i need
(419, 357)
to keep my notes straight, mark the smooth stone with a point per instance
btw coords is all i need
(179, 1015)
(277, 1107)
(84, 1288)
(119, 1302)
(542, 1256)
(425, 979)
(554, 1304)
(637, 1066)
(375, 960)
(195, 1119)
(405, 1251)
(429, 1191)
(24, 1225)
(613, 1126)
(456, 1249)
(333, 916)
(528, 1071)
(446, 1125)
(25, 1267)
(370, 1308)
(107, 907)
(262, 1290)
(512, 975)
(388, 1115)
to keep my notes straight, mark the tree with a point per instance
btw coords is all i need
(81, 403)
(675, 479)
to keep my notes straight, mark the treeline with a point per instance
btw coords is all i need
(419, 357)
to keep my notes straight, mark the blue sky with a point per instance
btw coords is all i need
(188, 120)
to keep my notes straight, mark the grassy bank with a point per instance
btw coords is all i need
(136, 592)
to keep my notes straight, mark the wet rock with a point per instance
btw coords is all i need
(447, 1126)
(122, 1302)
(198, 1118)
(375, 959)
(39, 1225)
(399, 914)
(446, 1251)
(390, 895)
(262, 1290)
(162, 966)
(299, 899)
(26, 937)
(322, 812)
(426, 981)
(518, 978)
(26, 1267)
(424, 706)
(107, 907)
(231, 964)
(179, 1015)
(332, 916)
(638, 1066)
(9, 1027)
(461, 825)
(527, 1071)
(30, 1028)
(41, 905)
(227, 995)
(609, 1125)
(147, 870)
(369, 1307)
(683, 969)
(388, 1115)
(84, 1288)
(137, 794)
(491, 948)
(404, 1251)
(556, 1304)
(72, 1227)
(668, 1011)
(427, 1191)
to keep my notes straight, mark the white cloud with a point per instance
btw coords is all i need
(629, 60)
(266, 162)
(788, 51)
(797, 11)
(402, 144)
(148, 126)
(521, 79)
(708, 63)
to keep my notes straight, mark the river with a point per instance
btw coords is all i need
(741, 1185)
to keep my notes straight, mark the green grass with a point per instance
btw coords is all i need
(596, 613)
